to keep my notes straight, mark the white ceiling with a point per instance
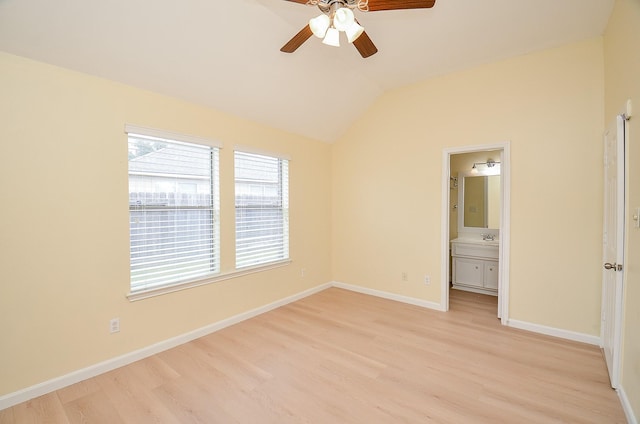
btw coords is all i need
(225, 54)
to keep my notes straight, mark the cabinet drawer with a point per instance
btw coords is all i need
(475, 250)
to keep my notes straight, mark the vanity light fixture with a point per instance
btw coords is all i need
(491, 168)
(490, 164)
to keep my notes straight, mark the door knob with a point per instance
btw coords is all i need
(613, 266)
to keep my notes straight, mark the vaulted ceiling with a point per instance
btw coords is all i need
(225, 54)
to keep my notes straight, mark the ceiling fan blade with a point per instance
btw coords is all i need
(365, 46)
(299, 1)
(297, 40)
(377, 5)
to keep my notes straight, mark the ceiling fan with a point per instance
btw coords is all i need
(337, 15)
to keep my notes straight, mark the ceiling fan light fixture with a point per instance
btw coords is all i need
(332, 38)
(319, 25)
(338, 15)
(343, 18)
(353, 32)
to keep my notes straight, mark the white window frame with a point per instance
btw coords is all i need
(182, 280)
(250, 254)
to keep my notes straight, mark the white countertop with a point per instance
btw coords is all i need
(477, 241)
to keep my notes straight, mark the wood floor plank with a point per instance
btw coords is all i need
(44, 409)
(92, 408)
(78, 390)
(344, 357)
(6, 416)
(153, 371)
(133, 398)
(192, 402)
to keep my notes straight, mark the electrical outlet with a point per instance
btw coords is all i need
(427, 279)
(114, 325)
(302, 271)
(405, 277)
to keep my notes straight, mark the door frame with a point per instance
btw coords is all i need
(505, 223)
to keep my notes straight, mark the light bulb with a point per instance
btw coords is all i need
(353, 32)
(343, 18)
(332, 38)
(319, 25)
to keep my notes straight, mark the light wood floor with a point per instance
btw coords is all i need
(343, 357)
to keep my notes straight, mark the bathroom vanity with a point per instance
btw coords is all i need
(475, 253)
(475, 265)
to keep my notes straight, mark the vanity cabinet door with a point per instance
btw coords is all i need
(491, 275)
(469, 272)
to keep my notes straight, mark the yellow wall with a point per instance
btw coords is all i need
(64, 241)
(387, 181)
(622, 82)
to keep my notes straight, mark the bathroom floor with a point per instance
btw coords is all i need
(474, 304)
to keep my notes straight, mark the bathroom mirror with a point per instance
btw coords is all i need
(478, 202)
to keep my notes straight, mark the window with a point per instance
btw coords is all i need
(173, 211)
(262, 209)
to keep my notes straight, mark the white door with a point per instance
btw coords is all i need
(613, 247)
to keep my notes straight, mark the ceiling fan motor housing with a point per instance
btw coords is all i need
(326, 6)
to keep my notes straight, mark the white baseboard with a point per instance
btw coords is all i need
(49, 386)
(556, 332)
(626, 406)
(523, 325)
(388, 295)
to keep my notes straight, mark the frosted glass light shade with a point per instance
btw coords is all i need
(343, 19)
(332, 38)
(319, 25)
(353, 32)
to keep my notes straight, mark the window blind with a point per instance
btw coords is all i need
(262, 209)
(173, 210)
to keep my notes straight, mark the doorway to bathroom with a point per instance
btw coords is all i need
(475, 226)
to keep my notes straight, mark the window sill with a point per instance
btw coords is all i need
(145, 294)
